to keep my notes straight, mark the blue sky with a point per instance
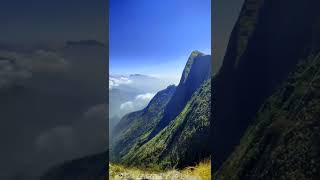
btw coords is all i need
(156, 36)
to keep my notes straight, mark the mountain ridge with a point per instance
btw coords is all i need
(132, 127)
(195, 78)
(196, 71)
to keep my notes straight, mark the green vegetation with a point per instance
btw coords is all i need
(173, 130)
(248, 20)
(266, 94)
(188, 66)
(183, 142)
(283, 142)
(134, 128)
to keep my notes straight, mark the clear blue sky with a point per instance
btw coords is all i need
(157, 36)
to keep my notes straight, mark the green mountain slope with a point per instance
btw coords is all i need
(268, 40)
(159, 137)
(266, 97)
(191, 128)
(134, 128)
(196, 71)
(283, 142)
(184, 141)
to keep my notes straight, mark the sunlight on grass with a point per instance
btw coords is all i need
(202, 171)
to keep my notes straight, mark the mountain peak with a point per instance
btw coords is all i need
(194, 55)
(196, 71)
(139, 75)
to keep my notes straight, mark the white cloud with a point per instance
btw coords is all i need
(140, 102)
(127, 106)
(60, 136)
(145, 97)
(97, 111)
(47, 61)
(115, 81)
(88, 135)
(15, 67)
(11, 74)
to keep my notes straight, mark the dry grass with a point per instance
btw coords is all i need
(200, 172)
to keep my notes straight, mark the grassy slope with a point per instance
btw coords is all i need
(183, 142)
(268, 40)
(135, 127)
(283, 142)
(159, 137)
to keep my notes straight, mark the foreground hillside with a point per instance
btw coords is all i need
(201, 171)
(185, 141)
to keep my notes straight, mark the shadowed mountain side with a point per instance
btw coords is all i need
(264, 47)
(283, 142)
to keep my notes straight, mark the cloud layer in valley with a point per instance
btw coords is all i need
(138, 103)
(53, 104)
(116, 81)
(129, 93)
(84, 137)
(16, 68)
